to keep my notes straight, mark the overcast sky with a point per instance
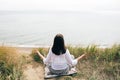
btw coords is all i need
(72, 5)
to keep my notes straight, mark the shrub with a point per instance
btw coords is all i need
(10, 64)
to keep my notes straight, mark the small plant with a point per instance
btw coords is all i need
(36, 57)
(67, 78)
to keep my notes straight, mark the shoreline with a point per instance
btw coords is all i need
(25, 46)
(47, 46)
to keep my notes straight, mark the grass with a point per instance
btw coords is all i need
(99, 64)
(36, 57)
(10, 64)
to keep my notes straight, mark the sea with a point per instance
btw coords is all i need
(38, 28)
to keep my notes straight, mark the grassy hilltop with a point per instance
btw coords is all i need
(99, 64)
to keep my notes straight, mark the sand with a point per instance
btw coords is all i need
(32, 70)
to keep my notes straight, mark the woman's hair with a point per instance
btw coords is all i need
(58, 45)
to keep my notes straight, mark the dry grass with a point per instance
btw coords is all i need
(10, 64)
(100, 64)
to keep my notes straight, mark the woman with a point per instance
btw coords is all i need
(59, 60)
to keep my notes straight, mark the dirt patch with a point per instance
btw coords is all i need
(34, 73)
(32, 70)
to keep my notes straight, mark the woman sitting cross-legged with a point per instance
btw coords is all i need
(59, 59)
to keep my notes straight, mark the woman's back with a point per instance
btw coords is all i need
(58, 62)
(61, 61)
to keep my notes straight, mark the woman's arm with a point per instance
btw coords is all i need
(80, 57)
(41, 56)
(71, 61)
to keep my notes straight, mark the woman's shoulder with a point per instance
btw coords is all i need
(67, 49)
(50, 48)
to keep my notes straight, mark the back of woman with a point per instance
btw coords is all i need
(59, 60)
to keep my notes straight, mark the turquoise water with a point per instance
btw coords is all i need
(40, 27)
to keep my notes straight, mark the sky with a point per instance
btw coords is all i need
(70, 5)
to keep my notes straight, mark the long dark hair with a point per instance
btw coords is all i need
(58, 45)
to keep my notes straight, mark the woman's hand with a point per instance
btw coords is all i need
(41, 56)
(36, 51)
(80, 57)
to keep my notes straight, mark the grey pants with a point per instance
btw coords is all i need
(58, 72)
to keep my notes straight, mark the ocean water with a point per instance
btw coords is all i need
(39, 27)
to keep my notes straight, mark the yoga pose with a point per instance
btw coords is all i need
(59, 60)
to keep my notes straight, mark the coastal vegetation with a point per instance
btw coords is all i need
(10, 64)
(99, 63)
